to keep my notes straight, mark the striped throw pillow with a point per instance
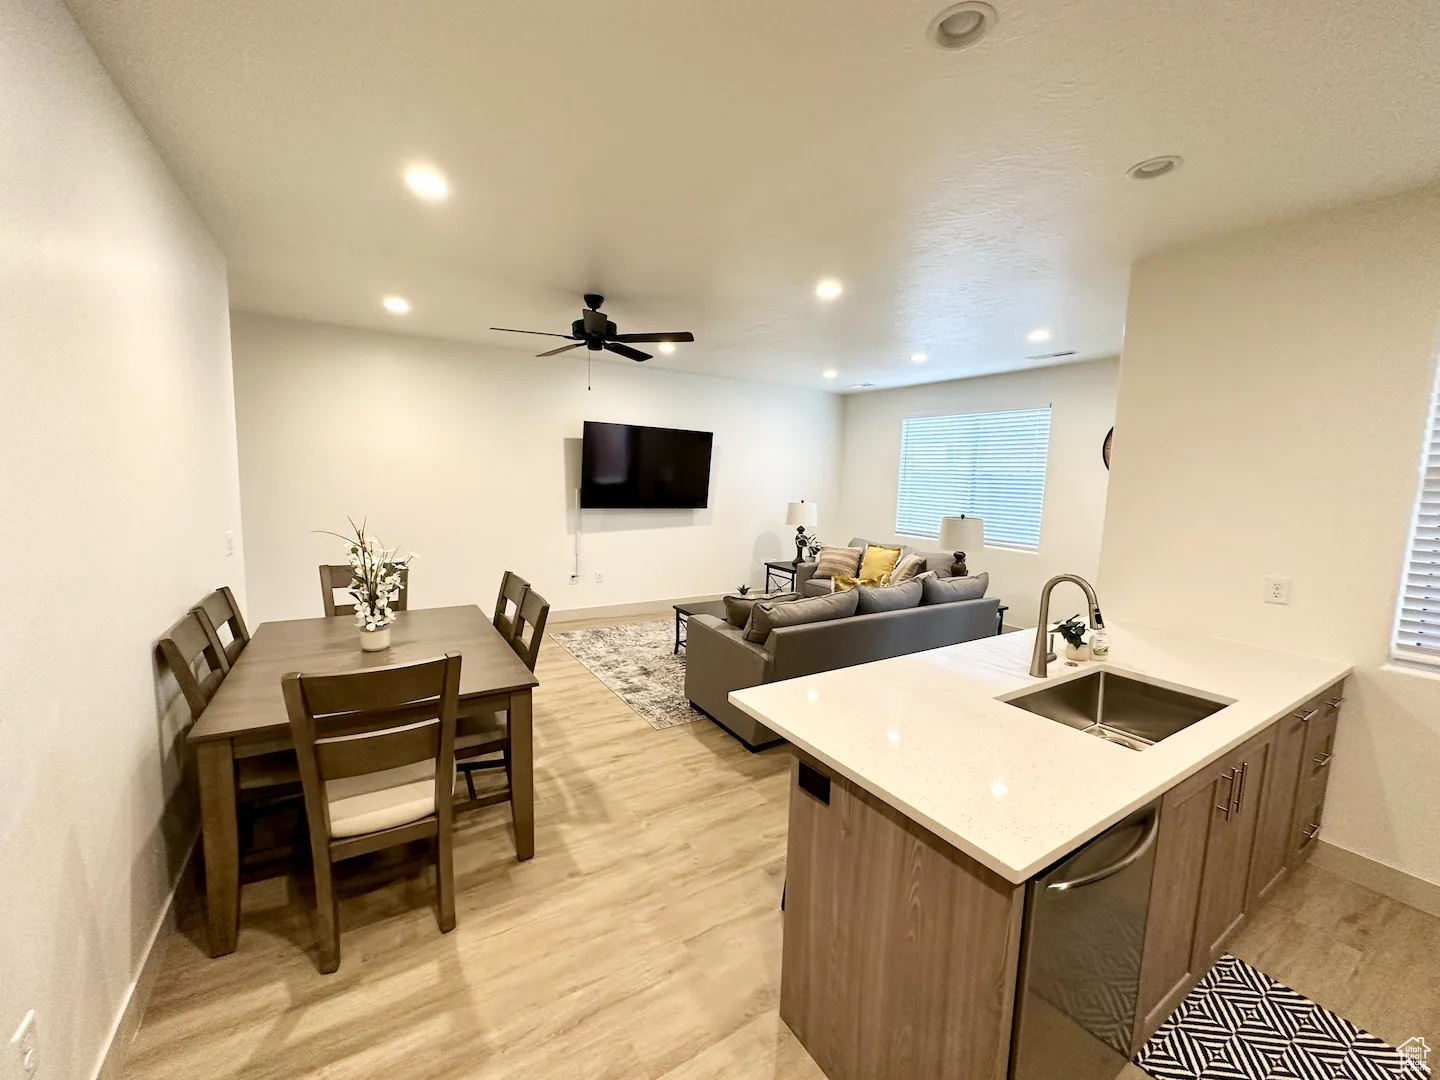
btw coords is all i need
(907, 568)
(838, 562)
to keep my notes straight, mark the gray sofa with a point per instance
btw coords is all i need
(806, 584)
(719, 659)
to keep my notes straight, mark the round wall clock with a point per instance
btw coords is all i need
(1105, 450)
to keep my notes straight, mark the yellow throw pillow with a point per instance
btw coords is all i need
(877, 562)
(845, 584)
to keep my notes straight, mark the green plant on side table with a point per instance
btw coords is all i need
(1073, 630)
(742, 590)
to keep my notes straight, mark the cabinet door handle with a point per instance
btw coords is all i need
(1229, 795)
(1240, 788)
(1334, 702)
(1305, 718)
(1310, 831)
(1323, 760)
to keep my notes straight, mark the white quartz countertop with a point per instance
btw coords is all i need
(1014, 790)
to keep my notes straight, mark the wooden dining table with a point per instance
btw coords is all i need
(247, 718)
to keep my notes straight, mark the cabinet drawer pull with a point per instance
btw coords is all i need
(1310, 830)
(1323, 760)
(1305, 718)
(1240, 788)
(1334, 702)
(1227, 805)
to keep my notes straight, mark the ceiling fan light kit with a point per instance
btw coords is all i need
(595, 332)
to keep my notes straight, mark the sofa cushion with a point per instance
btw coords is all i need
(879, 560)
(908, 567)
(942, 590)
(766, 616)
(837, 561)
(888, 597)
(818, 587)
(737, 608)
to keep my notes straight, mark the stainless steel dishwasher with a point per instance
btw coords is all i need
(1080, 956)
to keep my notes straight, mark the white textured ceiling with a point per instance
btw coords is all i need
(703, 164)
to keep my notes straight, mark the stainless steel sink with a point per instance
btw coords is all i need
(1117, 708)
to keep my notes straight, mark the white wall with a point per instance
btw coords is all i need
(118, 482)
(469, 456)
(1273, 395)
(1082, 399)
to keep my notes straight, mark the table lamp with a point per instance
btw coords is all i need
(962, 534)
(803, 516)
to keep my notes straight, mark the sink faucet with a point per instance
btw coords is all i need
(1042, 655)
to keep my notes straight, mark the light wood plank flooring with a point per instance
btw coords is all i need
(641, 943)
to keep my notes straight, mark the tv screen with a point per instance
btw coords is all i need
(644, 468)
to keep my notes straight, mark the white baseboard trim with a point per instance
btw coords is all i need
(622, 611)
(1377, 876)
(110, 1064)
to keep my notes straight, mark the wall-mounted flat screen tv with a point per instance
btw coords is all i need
(623, 467)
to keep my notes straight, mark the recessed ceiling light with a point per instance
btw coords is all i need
(918, 358)
(1037, 336)
(427, 183)
(667, 347)
(1154, 167)
(962, 25)
(829, 289)
(830, 373)
(396, 305)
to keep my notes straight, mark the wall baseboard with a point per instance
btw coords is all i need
(1377, 876)
(111, 1063)
(622, 611)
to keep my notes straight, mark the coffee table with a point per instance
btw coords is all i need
(702, 607)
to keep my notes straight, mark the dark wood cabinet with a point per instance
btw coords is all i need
(1225, 885)
(1314, 779)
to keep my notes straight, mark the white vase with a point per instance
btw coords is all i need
(1077, 652)
(375, 640)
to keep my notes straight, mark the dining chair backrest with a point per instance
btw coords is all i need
(224, 613)
(338, 577)
(513, 588)
(190, 641)
(372, 720)
(530, 627)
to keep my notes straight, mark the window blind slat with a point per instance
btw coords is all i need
(1417, 623)
(987, 465)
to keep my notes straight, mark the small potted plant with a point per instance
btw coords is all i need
(375, 583)
(1073, 631)
(812, 544)
(742, 590)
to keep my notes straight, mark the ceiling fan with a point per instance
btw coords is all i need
(596, 332)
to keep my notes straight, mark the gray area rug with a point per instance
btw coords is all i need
(637, 663)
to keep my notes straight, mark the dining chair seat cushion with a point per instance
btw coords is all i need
(374, 801)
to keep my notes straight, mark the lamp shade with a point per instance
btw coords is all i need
(962, 534)
(806, 515)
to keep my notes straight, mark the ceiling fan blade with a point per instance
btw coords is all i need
(562, 348)
(626, 351)
(679, 335)
(541, 333)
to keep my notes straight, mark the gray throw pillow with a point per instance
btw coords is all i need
(765, 616)
(737, 608)
(875, 598)
(908, 568)
(940, 590)
(838, 562)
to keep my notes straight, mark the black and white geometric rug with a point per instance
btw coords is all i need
(637, 661)
(1240, 1024)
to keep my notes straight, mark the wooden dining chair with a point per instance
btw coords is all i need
(486, 737)
(339, 577)
(223, 612)
(196, 660)
(376, 749)
(513, 588)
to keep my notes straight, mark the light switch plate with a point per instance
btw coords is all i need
(1277, 590)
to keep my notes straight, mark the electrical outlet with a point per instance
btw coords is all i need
(25, 1047)
(1277, 590)
(229, 542)
(599, 578)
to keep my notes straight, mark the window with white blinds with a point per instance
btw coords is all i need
(1417, 627)
(987, 465)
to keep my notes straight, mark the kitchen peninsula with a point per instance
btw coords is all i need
(946, 844)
